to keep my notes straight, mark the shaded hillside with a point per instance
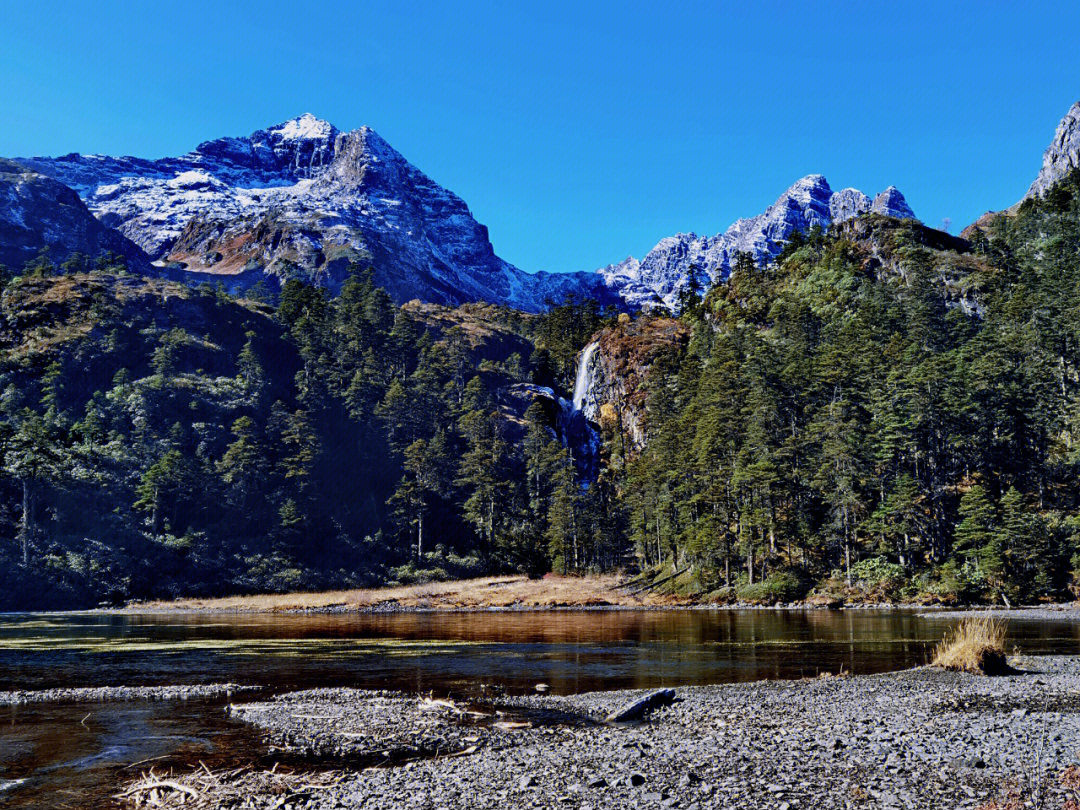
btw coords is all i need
(160, 440)
(39, 214)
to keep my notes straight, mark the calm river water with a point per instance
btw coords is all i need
(75, 755)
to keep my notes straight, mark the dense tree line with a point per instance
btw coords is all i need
(882, 412)
(906, 430)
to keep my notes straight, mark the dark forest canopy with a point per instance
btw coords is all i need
(884, 412)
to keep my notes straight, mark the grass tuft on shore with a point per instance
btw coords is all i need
(977, 645)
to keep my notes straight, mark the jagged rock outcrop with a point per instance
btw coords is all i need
(1062, 155)
(303, 199)
(666, 269)
(887, 247)
(891, 203)
(37, 211)
(848, 203)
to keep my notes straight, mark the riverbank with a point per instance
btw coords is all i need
(509, 593)
(918, 739)
(496, 593)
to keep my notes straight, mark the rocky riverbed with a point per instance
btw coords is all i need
(921, 738)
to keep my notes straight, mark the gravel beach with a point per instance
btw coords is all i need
(96, 693)
(922, 738)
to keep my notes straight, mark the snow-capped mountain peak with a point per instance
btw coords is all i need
(303, 198)
(303, 128)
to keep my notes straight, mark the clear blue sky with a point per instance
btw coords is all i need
(578, 132)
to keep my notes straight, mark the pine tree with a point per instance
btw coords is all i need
(164, 489)
(244, 466)
(32, 456)
(976, 530)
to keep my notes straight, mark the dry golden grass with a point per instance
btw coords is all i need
(485, 592)
(977, 645)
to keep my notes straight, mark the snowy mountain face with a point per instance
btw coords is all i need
(666, 269)
(1061, 156)
(304, 200)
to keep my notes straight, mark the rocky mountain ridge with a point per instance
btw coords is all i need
(303, 199)
(666, 269)
(1062, 155)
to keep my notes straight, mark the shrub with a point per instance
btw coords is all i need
(878, 577)
(780, 586)
(977, 645)
(875, 570)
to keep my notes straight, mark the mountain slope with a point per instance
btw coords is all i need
(37, 212)
(303, 199)
(810, 202)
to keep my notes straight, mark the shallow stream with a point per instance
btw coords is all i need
(78, 755)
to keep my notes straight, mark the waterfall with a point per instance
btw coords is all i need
(581, 384)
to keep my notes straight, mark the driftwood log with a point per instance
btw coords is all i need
(640, 708)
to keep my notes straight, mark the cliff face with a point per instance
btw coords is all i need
(1062, 155)
(614, 395)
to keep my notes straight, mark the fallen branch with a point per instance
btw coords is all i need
(650, 585)
(158, 784)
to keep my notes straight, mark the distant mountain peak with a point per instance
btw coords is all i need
(802, 188)
(891, 203)
(301, 198)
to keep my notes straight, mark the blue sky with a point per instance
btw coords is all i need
(578, 132)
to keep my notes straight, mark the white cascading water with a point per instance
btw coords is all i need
(581, 384)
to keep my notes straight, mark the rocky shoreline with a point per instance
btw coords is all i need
(99, 693)
(923, 739)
